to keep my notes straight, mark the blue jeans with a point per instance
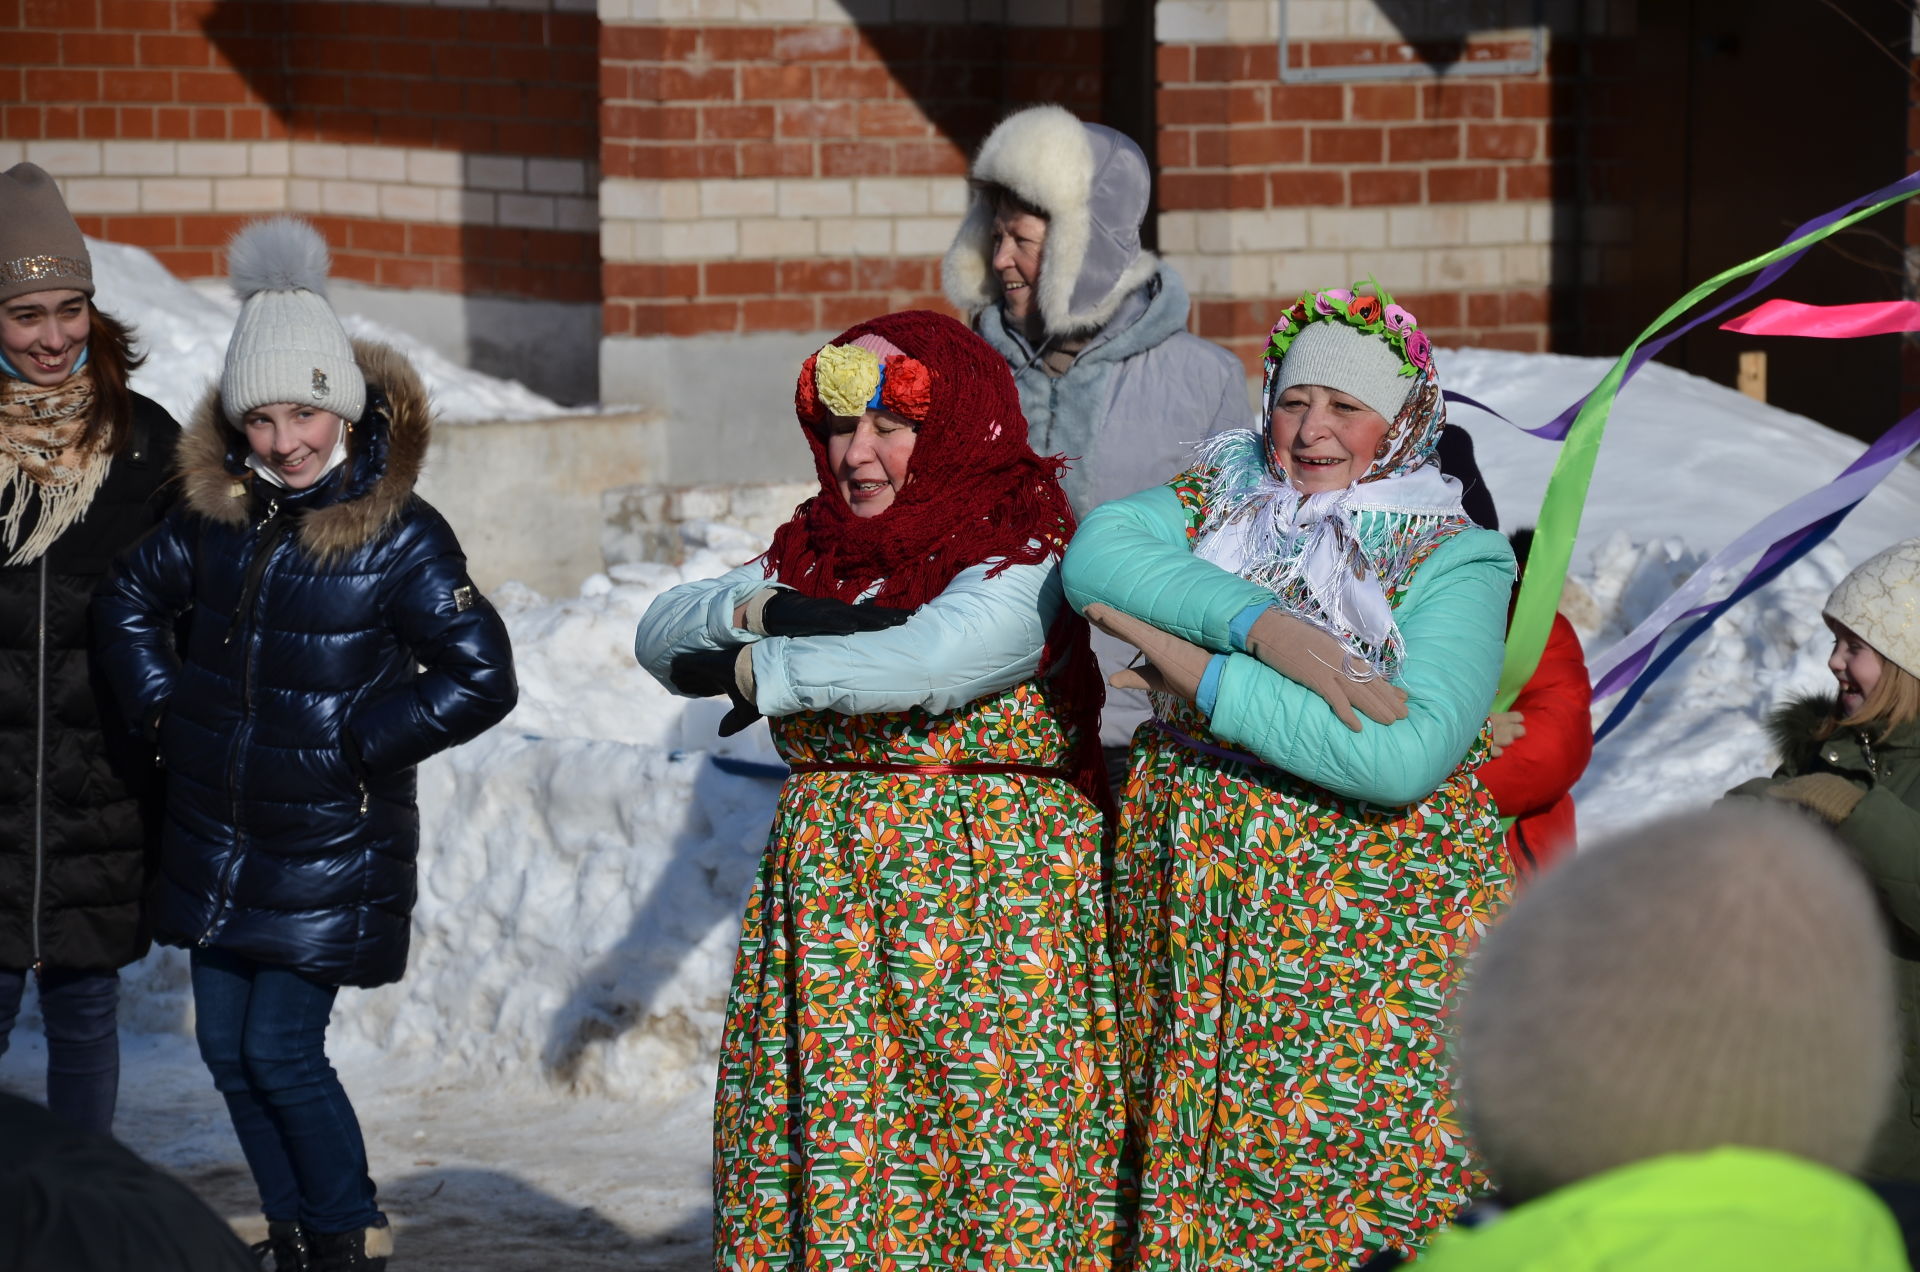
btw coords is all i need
(262, 1030)
(81, 1011)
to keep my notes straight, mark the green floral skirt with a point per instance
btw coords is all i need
(921, 1060)
(1283, 958)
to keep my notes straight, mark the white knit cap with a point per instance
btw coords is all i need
(1880, 601)
(289, 345)
(1349, 360)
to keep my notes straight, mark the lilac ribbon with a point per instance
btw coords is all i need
(1781, 532)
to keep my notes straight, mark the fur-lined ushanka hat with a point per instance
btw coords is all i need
(1092, 183)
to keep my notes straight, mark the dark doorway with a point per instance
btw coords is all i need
(1750, 117)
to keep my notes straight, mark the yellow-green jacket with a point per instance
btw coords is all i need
(1732, 1208)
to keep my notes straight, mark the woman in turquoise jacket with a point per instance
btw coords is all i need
(921, 1059)
(1292, 887)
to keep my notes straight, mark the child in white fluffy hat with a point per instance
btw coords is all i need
(1851, 759)
(332, 642)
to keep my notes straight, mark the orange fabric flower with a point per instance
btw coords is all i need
(908, 387)
(1365, 308)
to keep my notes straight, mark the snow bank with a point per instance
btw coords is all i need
(184, 331)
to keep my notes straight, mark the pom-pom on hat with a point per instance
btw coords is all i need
(1713, 979)
(41, 249)
(289, 345)
(1880, 602)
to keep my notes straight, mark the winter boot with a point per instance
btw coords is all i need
(361, 1250)
(285, 1246)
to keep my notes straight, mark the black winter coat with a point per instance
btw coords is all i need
(79, 803)
(333, 641)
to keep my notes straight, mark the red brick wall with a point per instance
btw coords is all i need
(1233, 137)
(468, 80)
(832, 106)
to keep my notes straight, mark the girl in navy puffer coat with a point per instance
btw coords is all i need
(297, 636)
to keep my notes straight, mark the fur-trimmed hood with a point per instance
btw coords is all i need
(1093, 183)
(385, 452)
(1792, 726)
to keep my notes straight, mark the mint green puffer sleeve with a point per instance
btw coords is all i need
(1133, 555)
(980, 636)
(1454, 619)
(696, 616)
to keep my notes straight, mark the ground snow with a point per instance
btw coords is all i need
(184, 332)
(548, 1058)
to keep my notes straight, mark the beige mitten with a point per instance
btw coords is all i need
(1508, 727)
(1176, 665)
(1828, 796)
(1314, 660)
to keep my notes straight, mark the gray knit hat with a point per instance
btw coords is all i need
(1880, 601)
(41, 248)
(1720, 978)
(1355, 362)
(289, 345)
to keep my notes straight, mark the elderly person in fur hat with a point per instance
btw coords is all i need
(1292, 886)
(333, 641)
(1048, 267)
(1674, 1052)
(83, 467)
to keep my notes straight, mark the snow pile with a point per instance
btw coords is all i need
(184, 332)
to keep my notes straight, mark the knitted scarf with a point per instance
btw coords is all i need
(976, 492)
(43, 465)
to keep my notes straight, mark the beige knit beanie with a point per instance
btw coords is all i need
(289, 345)
(1880, 601)
(1340, 357)
(1720, 978)
(41, 248)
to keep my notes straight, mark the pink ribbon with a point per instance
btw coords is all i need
(1832, 322)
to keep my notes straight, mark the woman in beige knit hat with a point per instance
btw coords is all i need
(1851, 759)
(83, 460)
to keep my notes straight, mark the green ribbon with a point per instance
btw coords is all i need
(1566, 499)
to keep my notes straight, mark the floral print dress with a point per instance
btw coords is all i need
(921, 1061)
(1283, 956)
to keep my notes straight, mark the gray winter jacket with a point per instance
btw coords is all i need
(1142, 390)
(1133, 403)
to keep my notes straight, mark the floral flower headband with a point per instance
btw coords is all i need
(848, 379)
(1374, 314)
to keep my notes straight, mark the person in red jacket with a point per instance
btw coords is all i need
(1541, 747)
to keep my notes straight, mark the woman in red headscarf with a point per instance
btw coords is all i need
(920, 1062)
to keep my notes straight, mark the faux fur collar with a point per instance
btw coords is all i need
(216, 483)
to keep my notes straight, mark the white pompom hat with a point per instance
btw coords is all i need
(1880, 602)
(289, 345)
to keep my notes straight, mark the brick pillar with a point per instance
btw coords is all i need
(769, 182)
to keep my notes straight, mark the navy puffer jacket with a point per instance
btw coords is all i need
(332, 641)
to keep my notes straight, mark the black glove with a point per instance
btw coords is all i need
(710, 673)
(790, 613)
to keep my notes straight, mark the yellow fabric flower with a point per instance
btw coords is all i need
(846, 376)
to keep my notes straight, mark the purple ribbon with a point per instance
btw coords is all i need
(1631, 665)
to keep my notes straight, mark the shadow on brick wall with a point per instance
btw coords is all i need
(450, 155)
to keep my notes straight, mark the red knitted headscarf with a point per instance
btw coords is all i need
(975, 492)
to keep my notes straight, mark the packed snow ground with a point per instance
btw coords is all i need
(535, 1090)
